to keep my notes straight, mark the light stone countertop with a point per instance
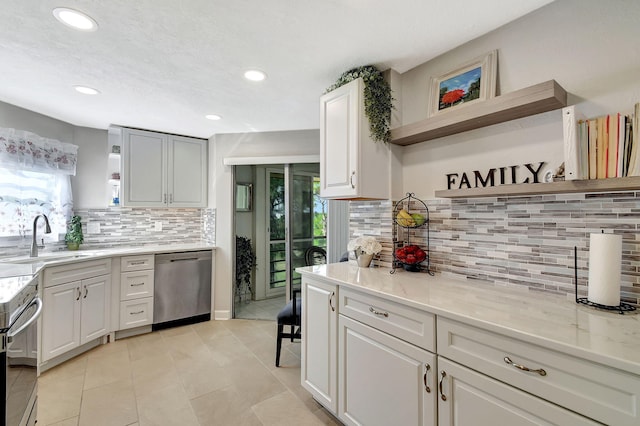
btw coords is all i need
(548, 320)
(25, 265)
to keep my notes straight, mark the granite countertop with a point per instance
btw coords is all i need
(25, 265)
(549, 320)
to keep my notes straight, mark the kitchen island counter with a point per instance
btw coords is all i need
(549, 320)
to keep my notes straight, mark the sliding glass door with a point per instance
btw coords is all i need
(297, 221)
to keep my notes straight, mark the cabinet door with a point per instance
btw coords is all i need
(383, 380)
(60, 319)
(339, 135)
(319, 342)
(94, 321)
(467, 398)
(187, 172)
(143, 178)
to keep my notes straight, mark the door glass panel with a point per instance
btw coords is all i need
(309, 217)
(277, 246)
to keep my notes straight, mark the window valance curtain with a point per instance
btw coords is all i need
(22, 150)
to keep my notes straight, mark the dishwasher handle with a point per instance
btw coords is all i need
(184, 260)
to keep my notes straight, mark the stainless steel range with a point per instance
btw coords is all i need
(20, 307)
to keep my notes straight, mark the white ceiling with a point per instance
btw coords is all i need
(165, 64)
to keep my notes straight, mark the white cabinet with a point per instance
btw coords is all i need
(161, 170)
(594, 390)
(467, 398)
(319, 341)
(383, 380)
(136, 291)
(352, 165)
(74, 313)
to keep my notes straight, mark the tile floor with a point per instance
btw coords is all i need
(211, 373)
(259, 309)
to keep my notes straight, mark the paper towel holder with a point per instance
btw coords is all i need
(621, 308)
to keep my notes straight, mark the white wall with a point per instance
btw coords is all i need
(590, 47)
(268, 144)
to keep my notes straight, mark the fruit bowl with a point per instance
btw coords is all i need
(409, 220)
(410, 255)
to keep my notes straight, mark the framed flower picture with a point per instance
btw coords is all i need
(472, 82)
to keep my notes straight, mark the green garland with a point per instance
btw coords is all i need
(378, 101)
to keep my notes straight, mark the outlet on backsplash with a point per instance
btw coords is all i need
(158, 226)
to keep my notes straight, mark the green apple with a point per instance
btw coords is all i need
(418, 218)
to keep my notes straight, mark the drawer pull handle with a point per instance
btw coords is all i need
(333, 309)
(540, 371)
(442, 395)
(137, 284)
(141, 262)
(136, 313)
(382, 314)
(427, 368)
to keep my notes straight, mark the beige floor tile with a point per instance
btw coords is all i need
(110, 404)
(74, 367)
(167, 407)
(224, 407)
(107, 367)
(254, 381)
(59, 399)
(284, 409)
(211, 373)
(68, 422)
(145, 345)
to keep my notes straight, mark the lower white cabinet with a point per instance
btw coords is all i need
(319, 342)
(467, 398)
(383, 380)
(74, 314)
(136, 313)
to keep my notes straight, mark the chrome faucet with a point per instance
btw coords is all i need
(47, 230)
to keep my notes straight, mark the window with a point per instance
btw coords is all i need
(26, 194)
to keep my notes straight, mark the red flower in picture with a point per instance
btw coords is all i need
(452, 96)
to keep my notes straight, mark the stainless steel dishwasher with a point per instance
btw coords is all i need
(182, 289)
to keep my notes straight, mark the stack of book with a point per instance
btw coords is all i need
(601, 147)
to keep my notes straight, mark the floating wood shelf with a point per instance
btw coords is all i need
(532, 100)
(563, 187)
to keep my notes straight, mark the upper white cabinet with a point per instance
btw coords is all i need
(352, 165)
(161, 170)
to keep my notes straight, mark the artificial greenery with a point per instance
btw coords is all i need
(245, 261)
(378, 101)
(74, 231)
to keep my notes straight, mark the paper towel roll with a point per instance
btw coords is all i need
(605, 257)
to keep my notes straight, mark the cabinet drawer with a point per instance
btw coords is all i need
(136, 263)
(135, 285)
(76, 271)
(595, 390)
(406, 323)
(135, 313)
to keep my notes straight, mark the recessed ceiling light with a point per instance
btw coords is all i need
(255, 75)
(74, 19)
(86, 90)
(213, 117)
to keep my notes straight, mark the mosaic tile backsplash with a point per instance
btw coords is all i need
(121, 226)
(516, 241)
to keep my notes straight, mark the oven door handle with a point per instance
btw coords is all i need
(36, 301)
